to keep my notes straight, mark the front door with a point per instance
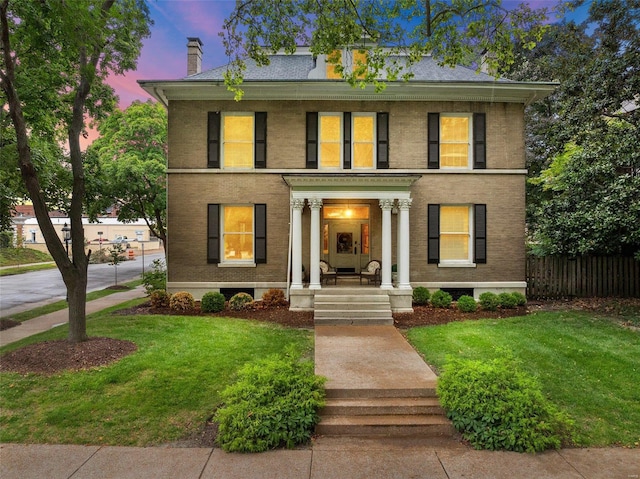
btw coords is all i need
(345, 241)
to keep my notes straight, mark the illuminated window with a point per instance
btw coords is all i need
(455, 233)
(454, 141)
(238, 140)
(359, 59)
(237, 233)
(330, 135)
(363, 140)
(333, 60)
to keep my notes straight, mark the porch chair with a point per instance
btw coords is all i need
(371, 272)
(327, 273)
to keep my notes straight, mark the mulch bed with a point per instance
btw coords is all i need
(50, 357)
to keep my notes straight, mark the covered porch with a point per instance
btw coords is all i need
(388, 193)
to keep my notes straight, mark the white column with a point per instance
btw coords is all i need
(403, 240)
(296, 248)
(386, 206)
(314, 256)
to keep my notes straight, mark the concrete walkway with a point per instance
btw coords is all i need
(325, 459)
(51, 320)
(351, 359)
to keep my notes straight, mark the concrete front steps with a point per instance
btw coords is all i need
(384, 413)
(352, 307)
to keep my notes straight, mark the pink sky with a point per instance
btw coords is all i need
(164, 55)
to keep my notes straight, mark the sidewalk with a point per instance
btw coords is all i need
(328, 457)
(48, 321)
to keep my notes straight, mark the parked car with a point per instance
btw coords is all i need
(123, 240)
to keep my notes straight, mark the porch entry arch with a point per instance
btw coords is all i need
(391, 192)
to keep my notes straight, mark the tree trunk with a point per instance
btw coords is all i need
(77, 297)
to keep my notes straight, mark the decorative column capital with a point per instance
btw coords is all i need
(405, 203)
(386, 204)
(315, 203)
(297, 203)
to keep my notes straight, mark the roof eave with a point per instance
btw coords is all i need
(494, 92)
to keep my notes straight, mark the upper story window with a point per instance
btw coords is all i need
(333, 60)
(364, 134)
(353, 60)
(237, 140)
(237, 144)
(330, 136)
(457, 141)
(347, 140)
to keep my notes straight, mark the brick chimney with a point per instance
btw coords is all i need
(194, 56)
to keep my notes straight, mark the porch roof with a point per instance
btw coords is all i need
(351, 186)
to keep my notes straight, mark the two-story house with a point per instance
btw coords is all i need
(427, 177)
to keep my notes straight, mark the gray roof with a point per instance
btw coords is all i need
(299, 66)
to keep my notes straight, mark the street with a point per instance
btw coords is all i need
(26, 291)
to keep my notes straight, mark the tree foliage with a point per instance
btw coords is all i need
(55, 58)
(454, 32)
(130, 161)
(582, 140)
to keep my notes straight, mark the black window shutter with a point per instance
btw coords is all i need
(346, 133)
(213, 140)
(479, 141)
(480, 234)
(213, 233)
(382, 134)
(260, 233)
(260, 139)
(433, 233)
(312, 139)
(433, 161)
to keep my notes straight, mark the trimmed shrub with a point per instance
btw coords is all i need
(274, 403)
(182, 302)
(273, 298)
(520, 298)
(421, 295)
(156, 277)
(507, 300)
(466, 304)
(497, 406)
(159, 299)
(489, 301)
(212, 302)
(240, 301)
(441, 299)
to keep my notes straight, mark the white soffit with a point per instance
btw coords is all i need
(501, 92)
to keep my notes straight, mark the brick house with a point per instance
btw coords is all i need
(428, 177)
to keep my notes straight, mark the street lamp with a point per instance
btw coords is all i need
(66, 231)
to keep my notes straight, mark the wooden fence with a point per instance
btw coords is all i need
(554, 277)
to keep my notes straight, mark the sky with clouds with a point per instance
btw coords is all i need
(164, 55)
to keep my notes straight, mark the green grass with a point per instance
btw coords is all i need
(26, 269)
(18, 256)
(161, 393)
(589, 367)
(58, 305)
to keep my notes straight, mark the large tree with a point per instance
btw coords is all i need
(56, 57)
(131, 155)
(469, 32)
(582, 149)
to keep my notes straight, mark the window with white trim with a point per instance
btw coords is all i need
(455, 140)
(330, 140)
(456, 225)
(237, 140)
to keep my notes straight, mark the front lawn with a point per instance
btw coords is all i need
(587, 366)
(163, 392)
